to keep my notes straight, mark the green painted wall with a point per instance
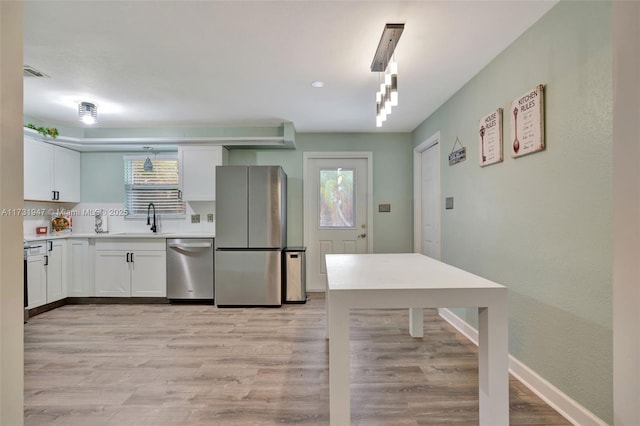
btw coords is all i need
(102, 175)
(392, 181)
(541, 224)
(102, 180)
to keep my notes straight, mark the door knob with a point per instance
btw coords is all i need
(362, 236)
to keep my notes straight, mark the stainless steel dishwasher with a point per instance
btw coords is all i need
(190, 273)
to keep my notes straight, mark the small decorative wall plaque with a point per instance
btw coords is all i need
(527, 122)
(490, 138)
(459, 155)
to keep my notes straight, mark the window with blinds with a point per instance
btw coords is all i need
(158, 186)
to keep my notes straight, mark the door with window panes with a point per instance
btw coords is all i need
(157, 183)
(337, 212)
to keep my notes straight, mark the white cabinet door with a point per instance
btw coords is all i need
(135, 268)
(51, 173)
(79, 283)
(66, 170)
(36, 281)
(197, 168)
(56, 270)
(149, 274)
(113, 277)
(38, 170)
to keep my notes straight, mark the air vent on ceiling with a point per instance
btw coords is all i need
(29, 71)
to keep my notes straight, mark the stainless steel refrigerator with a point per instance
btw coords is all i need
(251, 232)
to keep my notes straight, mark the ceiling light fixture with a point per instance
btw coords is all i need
(317, 84)
(88, 112)
(148, 165)
(384, 61)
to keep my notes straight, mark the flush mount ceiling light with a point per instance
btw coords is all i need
(88, 112)
(317, 84)
(384, 62)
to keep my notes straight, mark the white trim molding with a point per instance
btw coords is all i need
(558, 400)
(626, 212)
(417, 189)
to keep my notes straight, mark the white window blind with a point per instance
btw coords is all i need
(159, 186)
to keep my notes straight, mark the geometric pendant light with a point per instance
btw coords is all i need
(384, 62)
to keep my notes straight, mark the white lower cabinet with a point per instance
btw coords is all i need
(37, 281)
(79, 283)
(56, 270)
(46, 272)
(149, 274)
(130, 269)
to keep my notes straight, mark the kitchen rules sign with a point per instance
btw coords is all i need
(527, 122)
(490, 138)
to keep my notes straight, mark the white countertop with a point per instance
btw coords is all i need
(117, 235)
(394, 271)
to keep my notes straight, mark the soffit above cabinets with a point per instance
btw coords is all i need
(281, 137)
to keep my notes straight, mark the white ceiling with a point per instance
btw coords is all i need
(241, 63)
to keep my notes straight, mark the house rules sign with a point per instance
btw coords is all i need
(490, 138)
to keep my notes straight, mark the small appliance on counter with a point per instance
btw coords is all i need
(102, 223)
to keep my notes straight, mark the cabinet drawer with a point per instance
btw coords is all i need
(127, 244)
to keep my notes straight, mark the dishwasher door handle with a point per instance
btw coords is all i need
(190, 245)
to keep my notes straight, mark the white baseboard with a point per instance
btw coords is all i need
(567, 407)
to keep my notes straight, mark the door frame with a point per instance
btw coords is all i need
(307, 191)
(431, 141)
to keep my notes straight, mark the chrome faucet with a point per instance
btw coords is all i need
(153, 227)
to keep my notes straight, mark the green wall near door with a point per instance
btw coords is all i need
(541, 224)
(102, 177)
(103, 181)
(392, 181)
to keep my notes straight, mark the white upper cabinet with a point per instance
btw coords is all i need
(51, 173)
(38, 170)
(66, 174)
(197, 168)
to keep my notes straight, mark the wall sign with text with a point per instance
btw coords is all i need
(527, 122)
(490, 138)
(458, 155)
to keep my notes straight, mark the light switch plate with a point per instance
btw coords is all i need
(448, 203)
(384, 208)
(195, 218)
(209, 217)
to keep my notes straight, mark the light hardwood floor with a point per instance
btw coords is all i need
(200, 365)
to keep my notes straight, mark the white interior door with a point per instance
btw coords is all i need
(337, 203)
(427, 198)
(430, 172)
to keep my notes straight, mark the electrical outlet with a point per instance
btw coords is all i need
(448, 203)
(209, 217)
(384, 208)
(195, 218)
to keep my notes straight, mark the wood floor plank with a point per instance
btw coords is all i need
(171, 365)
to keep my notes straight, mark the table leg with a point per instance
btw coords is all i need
(493, 367)
(339, 392)
(416, 322)
(327, 311)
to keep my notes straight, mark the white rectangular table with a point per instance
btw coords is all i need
(409, 280)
